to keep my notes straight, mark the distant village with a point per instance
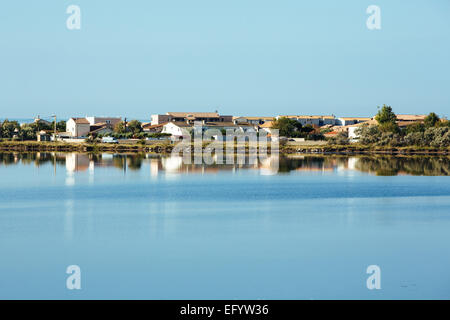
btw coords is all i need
(170, 126)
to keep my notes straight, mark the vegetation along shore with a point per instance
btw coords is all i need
(385, 133)
(166, 147)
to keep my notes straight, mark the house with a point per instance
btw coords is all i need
(42, 121)
(346, 121)
(43, 136)
(189, 117)
(312, 120)
(78, 127)
(411, 117)
(176, 128)
(101, 128)
(251, 120)
(61, 136)
(156, 128)
(106, 120)
(243, 127)
(267, 127)
(352, 135)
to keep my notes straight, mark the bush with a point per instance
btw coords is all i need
(438, 137)
(340, 139)
(390, 139)
(368, 134)
(415, 139)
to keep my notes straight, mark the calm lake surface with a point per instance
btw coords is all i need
(145, 227)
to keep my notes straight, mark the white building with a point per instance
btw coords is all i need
(78, 127)
(190, 117)
(352, 133)
(107, 120)
(176, 128)
(346, 121)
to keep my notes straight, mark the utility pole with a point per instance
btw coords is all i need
(55, 126)
(54, 129)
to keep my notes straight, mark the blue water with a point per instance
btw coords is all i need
(152, 230)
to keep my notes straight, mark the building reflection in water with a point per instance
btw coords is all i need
(174, 165)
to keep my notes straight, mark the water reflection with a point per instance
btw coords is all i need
(378, 165)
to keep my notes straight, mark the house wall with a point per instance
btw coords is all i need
(331, 121)
(352, 134)
(318, 121)
(159, 118)
(77, 130)
(172, 129)
(71, 127)
(108, 120)
(226, 118)
(305, 121)
(348, 122)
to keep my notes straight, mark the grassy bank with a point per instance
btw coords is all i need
(27, 146)
(363, 149)
(165, 147)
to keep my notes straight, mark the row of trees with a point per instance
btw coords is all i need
(433, 131)
(13, 130)
(438, 137)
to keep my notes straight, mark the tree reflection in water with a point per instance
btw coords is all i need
(378, 165)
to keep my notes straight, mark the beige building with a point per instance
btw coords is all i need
(411, 117)
(251, 120)
(189, 117)
(176, 128)
(312, 120)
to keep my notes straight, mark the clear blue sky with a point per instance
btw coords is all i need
(242, 57)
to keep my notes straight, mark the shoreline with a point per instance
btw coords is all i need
(165, 148)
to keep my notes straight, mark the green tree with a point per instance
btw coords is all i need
(60, 126)
(287, 127)
(368, 134)
(431, 120)
(386, 119)
(9, 128)
(134, 126)
(389, 127)
(28, 132)
(385, 115)
(340, 139)
(416, 127)
(41, 125)
(120, 127)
